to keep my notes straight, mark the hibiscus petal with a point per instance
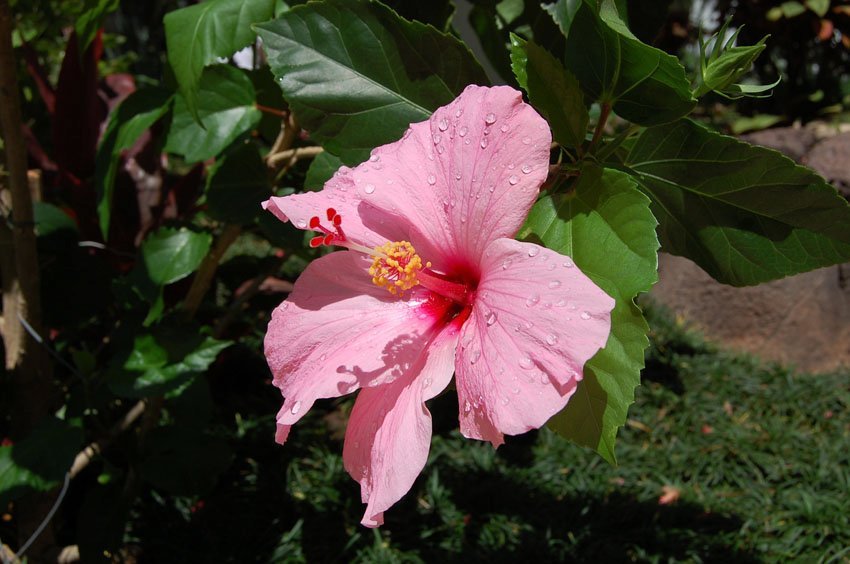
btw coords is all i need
(389, 431)
(337, 332)
(340, 195)
(536, 320)
(465, 177)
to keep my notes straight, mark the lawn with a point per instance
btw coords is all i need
(723, 458)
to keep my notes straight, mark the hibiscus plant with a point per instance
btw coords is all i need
(484, 234)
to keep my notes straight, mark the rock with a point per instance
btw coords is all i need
(831, 158)
(800, 320)
(794, 142)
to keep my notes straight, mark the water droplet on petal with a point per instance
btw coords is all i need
(532, 300)
(526, 140)
(369, 188)
(490, 118)
(515, 390)
(459, 112)
(533, 251)
(443, 125)
(561, 303)
(463, 131)
(492, 188)
(526, 363)
(584, 315)
(323, 358)
(457, 176)
(440, 149)
(432, 179)
(505, 401)
(568, 263)
(551, 339)
(374, 158)
(551, 266)
(302, 223)
(544, 378)
(466, 406)
(483, 143)
(506, 263)
(504, 128)
(526, 168)
(491, 318)
(554, 284)
(296, 407)
(513, 180)
(474, 356)
(426, 383)
(437, 138)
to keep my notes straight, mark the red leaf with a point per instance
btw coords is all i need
(39, 75)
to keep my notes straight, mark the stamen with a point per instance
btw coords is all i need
(396, 267)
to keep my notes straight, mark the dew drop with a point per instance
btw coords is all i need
(504, 128)
(551, 266)
(526, 363)
(551, 339)
(491, 318)
(490, 118)
(483, 143)
(526, 169)
(426, 383)
(457, 176)
(463, 131)
(505, 401)
(529, 324)
(440, 149)
(463, 218)
(544, 378)
(515, 389)
(459, 113)
(474, 356)
(374, 158)
(466, 142)
(369, 188)
(526, 140)
(492, 188)
(302, 223)
(561, 303)
(513, 180)
(532, 300)
(437, 138)
(584, 315)
(443, 125)
(506, 263)
(466, 406)
(554, 284)
(323, 358)
(533, 251)
(568, 263)
(296, 407)
(432, 179)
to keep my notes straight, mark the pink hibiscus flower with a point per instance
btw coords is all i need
(432, 284)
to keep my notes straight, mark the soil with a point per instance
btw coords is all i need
(800, 320)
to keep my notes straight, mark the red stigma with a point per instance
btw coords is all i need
(329, 236)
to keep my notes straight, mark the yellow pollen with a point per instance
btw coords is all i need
(395, 267)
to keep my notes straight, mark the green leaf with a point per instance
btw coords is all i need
(237, 185)
(38, 462)
(644, 85)
(226, 110)
(90, 20)
(171, 254)
(792, 9)
(820, 7)
(162, 360)
(606, 226)
(127, 123)
(321, 170)
(199, 35)
(185, 461)
(552, 90)
(745, 214)
(357, 74)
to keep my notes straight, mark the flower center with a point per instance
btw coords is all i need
(395, 265)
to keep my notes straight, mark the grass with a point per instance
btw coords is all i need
(754, 461)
